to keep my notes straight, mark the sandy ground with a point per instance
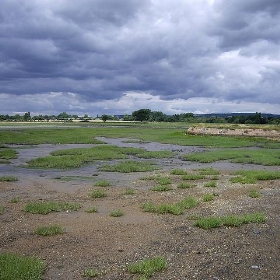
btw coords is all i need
(108, 244)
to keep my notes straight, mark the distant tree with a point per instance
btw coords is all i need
(63, 115)
(27, 116)
(157, 116)
(104, 118)
(141, 115)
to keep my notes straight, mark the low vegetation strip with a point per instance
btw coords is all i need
(6, 154)
(74, 158)
(14, 267)
(252, 176)
(47, 207)
(254, 156)
(230, 221)
(129, 166)
(170, 208)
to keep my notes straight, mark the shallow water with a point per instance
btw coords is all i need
(18, 167)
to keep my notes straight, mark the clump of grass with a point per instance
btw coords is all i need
(161, 188)
(2, 209)
(208, 171)
(91, 209)
(116, 213)
(49, 230)
(47, 207)
(129, 166)
(178, 171)
(170, 208)
(8, 179)
(207, 223)
(102, 183)
(193, 177)
(6, 154)
(211, 184)
(14, 267)
(252, 176)
(208, 197)
(254, 193)
(258, 156)
(129, 192)
(230, 220)
(163, 180)
(148, 267)
(98, 194)
(184, 185)
(15, 200)
(90, 272)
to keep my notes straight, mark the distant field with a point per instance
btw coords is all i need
(172, 133)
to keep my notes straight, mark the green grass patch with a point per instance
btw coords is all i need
(267, 157)
(15, 200)
(47, 207)
(97, 194)
(176, 208)
(185, 185)
(116, 213)
(15, 267)
(74, 158)
(8, 179)
(193, 177)
(6, 154)
(148, 267)
(230, 220)
(178, 171)
(163, 180)
(162, 188)
(208, 197)
(129, 192)
(2, 209)
(211, 184)
(252, 176)
(129, 166)
(49, 230)
(91, 209)
(90, 272)
(254, 193)
(102, 183)
(208, 171)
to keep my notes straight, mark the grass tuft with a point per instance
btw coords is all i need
(208, 197)
(148, 267)
(98, 194)
(184, 185)
(49, 230)
(129, 166)
(47, 207)
(252, 176)
(8, 179)
(230, 220)
(90, 272)
(14, 267)
(254, 193)
(211, 184)
(91, 209)
(102, 183)
(116, 213)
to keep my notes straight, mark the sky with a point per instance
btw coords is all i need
(116, 56)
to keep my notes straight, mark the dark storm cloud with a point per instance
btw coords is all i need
(177, 49)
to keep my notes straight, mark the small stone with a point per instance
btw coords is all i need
(255, 266)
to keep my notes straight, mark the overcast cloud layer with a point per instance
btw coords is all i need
(117, 56)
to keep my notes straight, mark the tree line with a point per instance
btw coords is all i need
(146, 115)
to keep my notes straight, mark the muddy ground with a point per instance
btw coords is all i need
(108, 244)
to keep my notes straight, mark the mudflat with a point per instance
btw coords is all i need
(108, 244)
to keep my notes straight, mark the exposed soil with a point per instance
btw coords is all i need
(271, 134)
(97, 240)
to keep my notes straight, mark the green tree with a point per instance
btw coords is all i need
(141, 115)
(104, 118)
